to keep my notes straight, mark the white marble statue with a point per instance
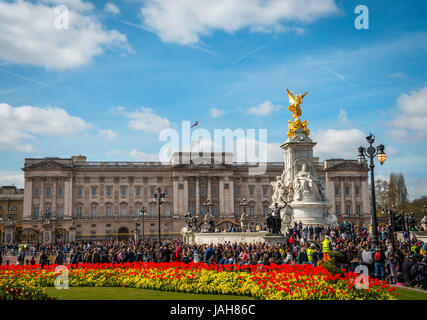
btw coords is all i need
(307, 187)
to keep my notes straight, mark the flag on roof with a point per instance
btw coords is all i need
(195, 124)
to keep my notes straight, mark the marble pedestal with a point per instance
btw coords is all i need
(223, 237)
(47, 235)
(312, 213)
(274, 239)
(9, 233)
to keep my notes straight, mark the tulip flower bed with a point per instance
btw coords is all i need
(275, 282)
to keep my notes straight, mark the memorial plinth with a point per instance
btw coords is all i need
(224, 237)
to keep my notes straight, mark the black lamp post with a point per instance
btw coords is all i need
(243, 204)
(371, 152)
(392, 216)
(208, 205)
(142, 213)
(159, 196)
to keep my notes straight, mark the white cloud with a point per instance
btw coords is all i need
(263, 109)
(111, 8)
(20, 124)
(28, 34)
(145, 119)
(399, 75)
(77, 5)
(115, 152)
(337, 143)
(411, 117)
(185, 21)
(142, 156)
(15, 178)
(215, 113)
(416, 188)
(108, 134)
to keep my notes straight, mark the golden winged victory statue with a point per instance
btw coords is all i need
(295, 108)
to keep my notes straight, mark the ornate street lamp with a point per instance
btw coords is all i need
(244, 204)
(371, 152)
(208, 206)
(142, 214)
(424, 211)
(159, 196)
(47, 216)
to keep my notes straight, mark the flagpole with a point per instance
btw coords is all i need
(198, 136)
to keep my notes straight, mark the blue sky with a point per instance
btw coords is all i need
(123, 70)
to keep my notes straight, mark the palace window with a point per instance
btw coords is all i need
(35, 212)
(357, 190)
(348, 210)
(93, 191)
(59, 192)
(238, 191)
(137, 210)
(265, 209)
(166, 191)
(152, 211)
(123, 211)
(251, 211)
(347, 190)
(93, 212)
(203, 191)
(358, 209)
(36, 192)
(59, 212)
(251, 191)
(191, 209)
(338, 209)
(264, 191)
(152, 191)
(48, 192)
(191, 191)
(337, 190)
(214, 191)
(238, 211)
(109, 211)
(138, 191)
(79, 212)
(123, 191)
(79, 192)
(108, 191)
(215, 210)
(167, 211)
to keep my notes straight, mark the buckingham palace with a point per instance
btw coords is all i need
(102, 200)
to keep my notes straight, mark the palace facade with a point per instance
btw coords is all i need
(100, 200)
(11, 210)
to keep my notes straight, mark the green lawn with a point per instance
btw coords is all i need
(91, 293)
(111, 293)
(408, 294)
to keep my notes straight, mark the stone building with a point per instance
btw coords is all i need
(11, 211)
(98, 200)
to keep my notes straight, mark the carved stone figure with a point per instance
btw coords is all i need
(307, 187)
(244, 219)
(281, 191)
(208, 224)
(192, 223)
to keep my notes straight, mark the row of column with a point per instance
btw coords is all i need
(28, 196)
(180, 196)
(362, 193)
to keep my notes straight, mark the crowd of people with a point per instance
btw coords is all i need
(398, 262)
